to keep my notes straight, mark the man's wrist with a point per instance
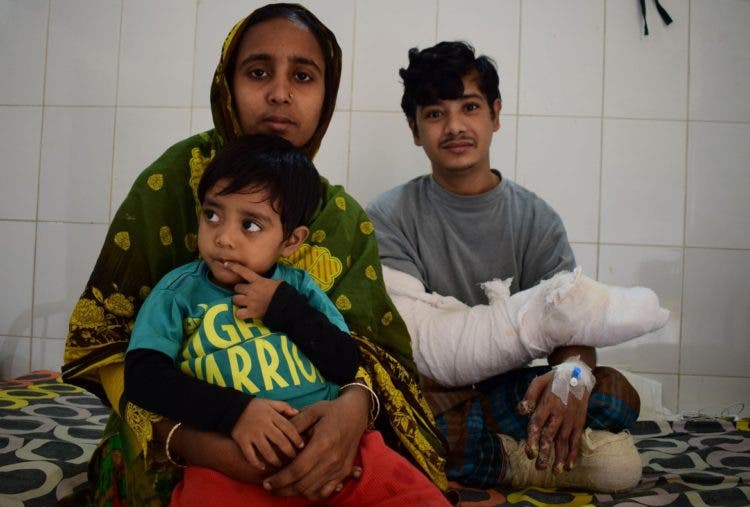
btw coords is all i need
(586, 354)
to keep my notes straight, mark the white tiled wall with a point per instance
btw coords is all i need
(641, 143)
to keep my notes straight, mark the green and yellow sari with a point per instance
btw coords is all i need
(155, 230)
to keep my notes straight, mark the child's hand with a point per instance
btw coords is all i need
(262, 428)
(252, 298)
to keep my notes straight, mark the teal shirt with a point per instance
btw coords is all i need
(192, 320)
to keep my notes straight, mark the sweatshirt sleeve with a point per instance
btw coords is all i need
(332, 350)
(153, 382)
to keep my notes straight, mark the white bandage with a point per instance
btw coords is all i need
(573, 309)
(572, 376)
(459, 345)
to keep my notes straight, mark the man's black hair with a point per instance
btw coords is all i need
(271, 164)
(436, 74)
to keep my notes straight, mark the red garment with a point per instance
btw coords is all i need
(388, 479)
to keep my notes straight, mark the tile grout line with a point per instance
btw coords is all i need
(601, 142)
(192, 73)
(38, 190)
(350, 116)
(686, 173)
(114, 117)
(518, 90)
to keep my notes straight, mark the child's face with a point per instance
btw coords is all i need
(243, 228)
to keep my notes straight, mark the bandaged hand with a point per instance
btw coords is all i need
(573, 309)
(572, 376)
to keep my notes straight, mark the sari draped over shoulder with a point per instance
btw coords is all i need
(155, 230)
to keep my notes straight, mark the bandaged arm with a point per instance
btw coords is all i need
(453, 343)
(457, 345)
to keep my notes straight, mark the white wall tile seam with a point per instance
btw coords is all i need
(117, 109)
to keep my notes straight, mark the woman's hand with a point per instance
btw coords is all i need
(209, 450)
(333, 427)
(333, 430)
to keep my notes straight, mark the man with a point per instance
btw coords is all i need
(442, 237)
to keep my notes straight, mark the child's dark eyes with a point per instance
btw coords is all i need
(210, 215)
(250, 226)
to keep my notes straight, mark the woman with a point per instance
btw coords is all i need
(279, 74)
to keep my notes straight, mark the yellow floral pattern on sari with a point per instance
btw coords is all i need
(165, 235)
(198, 163)
(318, 262)
(391, 384)
(318, 236)
(122, 239)
(370, 273)
(141, 422)
(87, 314)
(155, 182)
(191, 241)
(343, 303)
(120, 305)
(367, 228)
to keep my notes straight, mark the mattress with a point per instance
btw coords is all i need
(49, 429)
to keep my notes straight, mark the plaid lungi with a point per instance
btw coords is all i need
(475, 454)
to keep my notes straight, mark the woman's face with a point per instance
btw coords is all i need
(278, 84)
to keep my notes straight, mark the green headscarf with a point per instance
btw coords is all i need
(155, 230)
(225, 119)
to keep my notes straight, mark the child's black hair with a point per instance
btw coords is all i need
(272, 164)
(436, 74)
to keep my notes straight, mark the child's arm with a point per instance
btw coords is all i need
(306, 318)
(256, 424)
(330, 349)
(153, 382)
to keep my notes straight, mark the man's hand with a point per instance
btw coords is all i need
(553, 424)
(252, 298)
(333, 430)
(263, 428)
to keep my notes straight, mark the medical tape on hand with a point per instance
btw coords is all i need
(572, 376)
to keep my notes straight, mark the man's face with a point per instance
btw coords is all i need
(456, 134)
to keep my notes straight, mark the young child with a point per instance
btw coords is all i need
(193, 360)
